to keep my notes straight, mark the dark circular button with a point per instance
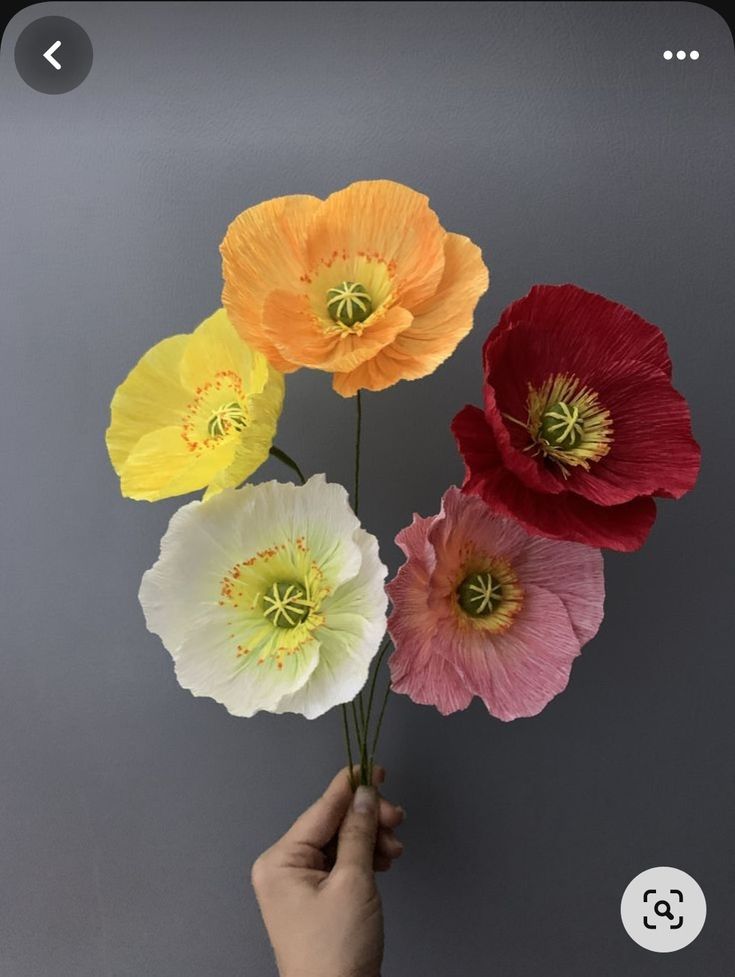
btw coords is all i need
(53, 55)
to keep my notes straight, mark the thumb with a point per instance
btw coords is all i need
(356, 844)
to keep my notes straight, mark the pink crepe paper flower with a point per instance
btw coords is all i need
(480, 607)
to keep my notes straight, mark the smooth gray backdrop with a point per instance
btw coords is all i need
(557, 137)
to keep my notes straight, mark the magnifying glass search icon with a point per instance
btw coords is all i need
(665, 911)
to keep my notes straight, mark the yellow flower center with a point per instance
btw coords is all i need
(346, 291)
(273, 599)
(219, 409)
(566, 423)
(349, 303)
(488, 595)
(287, 604)
(226, 418)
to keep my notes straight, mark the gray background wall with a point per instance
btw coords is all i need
(559, 139)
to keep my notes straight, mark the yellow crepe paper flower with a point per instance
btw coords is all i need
(198, 410)
(366, 284)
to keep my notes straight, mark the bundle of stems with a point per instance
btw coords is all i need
(358, 726)
(361, 717)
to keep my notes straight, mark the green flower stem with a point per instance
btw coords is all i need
(378, 663)
(361, 734)
(364, 778)
(356, 506)
(361, 707)
(287, 460)
(349, 746)
(356, 721)
(377, 729)
(358, 436)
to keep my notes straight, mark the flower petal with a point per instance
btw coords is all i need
(363, 594)
(414, 540)
(572, 571)
(416, 667)
(275, 229)
(387, 220)
(150, 397)
(582, 323)
(215, 347)
(444, 319)
(430, 680)
(385, 369)
(207, 664)
(337, 678)
(331, 529)
(161, 465)
(653, 451)
(198, 535)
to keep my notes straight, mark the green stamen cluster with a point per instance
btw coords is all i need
(287, 604)
(225, 418)
(349, 303)
(561, 426)
(480, 594)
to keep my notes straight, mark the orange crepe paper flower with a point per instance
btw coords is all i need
(366, 285)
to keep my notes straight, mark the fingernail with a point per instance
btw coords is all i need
(402, 812)
(364, 801)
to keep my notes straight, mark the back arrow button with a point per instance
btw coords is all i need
(49, 55)
(34, 56)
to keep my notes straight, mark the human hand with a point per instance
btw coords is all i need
(316, 885)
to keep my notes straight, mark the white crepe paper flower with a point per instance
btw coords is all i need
(269, 597)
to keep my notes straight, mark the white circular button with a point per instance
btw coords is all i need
(663, 909)
(681, 55)
(694, 55)
(668, 55)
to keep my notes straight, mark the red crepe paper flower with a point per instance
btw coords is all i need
(581, 426)
(481, 608)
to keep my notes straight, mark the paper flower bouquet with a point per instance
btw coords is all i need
(272, 596)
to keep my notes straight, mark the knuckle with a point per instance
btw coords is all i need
(259, 872)
(350, 879)
(353, 832)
